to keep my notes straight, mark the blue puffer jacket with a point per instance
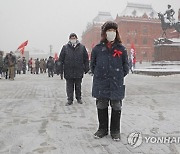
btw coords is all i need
(109, 67)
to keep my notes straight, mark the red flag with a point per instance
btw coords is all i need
(56, 56)
(22, 50)
(23, 45)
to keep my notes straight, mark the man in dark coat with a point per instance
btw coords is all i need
(50, 66)
(74, 63)
(37, 63)
(109, 64)
(24, 65)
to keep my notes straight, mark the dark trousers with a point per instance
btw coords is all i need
(50, 72)
(70, 85)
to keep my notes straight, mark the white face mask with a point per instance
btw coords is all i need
(73, 41)
(111, 35)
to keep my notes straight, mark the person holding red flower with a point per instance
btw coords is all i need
(109, 65)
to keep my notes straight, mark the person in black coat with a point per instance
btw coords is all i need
(50, 66)
(24, 65)
(109, 65)
(73, 64)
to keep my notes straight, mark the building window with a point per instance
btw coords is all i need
(135, 41)
(144, 41)
(145, 30)
(145, 55)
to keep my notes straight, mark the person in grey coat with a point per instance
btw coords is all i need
(19, 66)
(73, 64)
(109, 65)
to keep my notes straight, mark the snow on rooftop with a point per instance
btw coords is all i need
(138, 10)
(103, 17)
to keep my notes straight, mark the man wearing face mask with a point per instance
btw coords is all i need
(73, 64)
(109, 64)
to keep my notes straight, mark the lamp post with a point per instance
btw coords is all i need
(50, 50)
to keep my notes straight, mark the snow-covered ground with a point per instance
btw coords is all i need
(35, 120)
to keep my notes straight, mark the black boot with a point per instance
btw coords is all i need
(103, 123)
(115, 124)
(69, 103)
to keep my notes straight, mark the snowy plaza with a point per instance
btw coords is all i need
(35, 120)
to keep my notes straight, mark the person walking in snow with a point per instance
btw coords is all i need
(73, 64)
(109, 65)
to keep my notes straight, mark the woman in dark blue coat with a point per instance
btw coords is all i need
(109, 64)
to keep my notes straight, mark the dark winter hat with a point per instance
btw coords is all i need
(109, 25)
(72, 35)
(169, 5)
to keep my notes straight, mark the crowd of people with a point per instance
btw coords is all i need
(11, 65)
(7, 65)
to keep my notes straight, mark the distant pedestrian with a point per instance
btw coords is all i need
(74, 63)
(57, 66)
(5, 66)
(11, 65)
(33, 68)
(134, 63)
(30, 65)
(41, 65)
(50, 66)
(109, 64)
(37, 63)
(1, 63)
(19, 66)
(130, 64)
(24, 65)
(45, 66)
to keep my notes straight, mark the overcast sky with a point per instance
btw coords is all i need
(49, 22)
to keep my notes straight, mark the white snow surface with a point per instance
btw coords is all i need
(35, 120)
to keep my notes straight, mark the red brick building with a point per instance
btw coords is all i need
(138, 24)
(141, 31)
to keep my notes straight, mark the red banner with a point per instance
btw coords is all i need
(23, 45)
